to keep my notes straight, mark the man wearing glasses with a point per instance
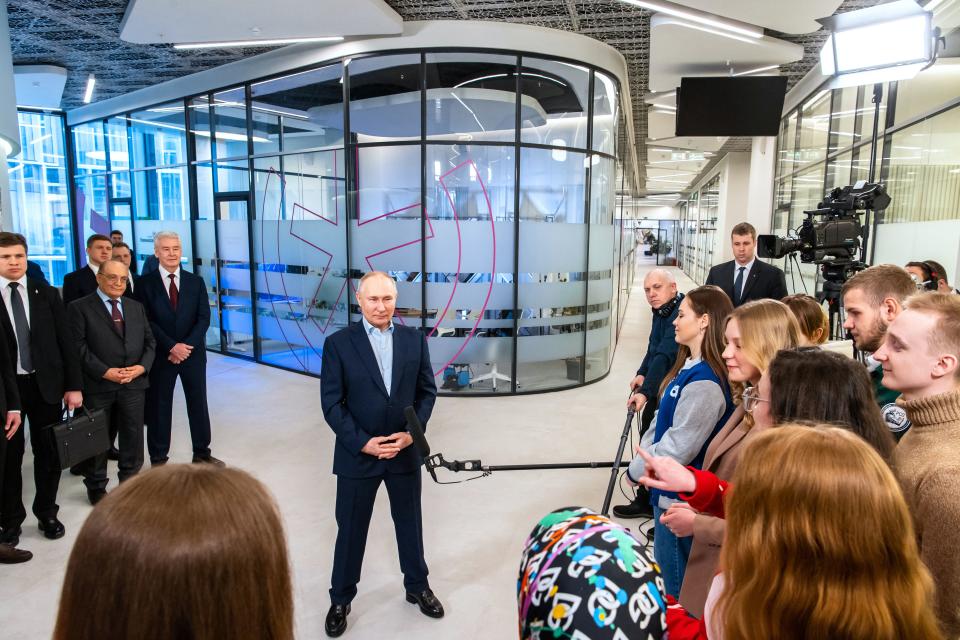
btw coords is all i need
(116, 350)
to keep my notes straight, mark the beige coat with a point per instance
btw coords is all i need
(721, 458)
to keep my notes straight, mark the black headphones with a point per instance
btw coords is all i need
(667, 308)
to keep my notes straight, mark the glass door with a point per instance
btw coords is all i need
(233, 290)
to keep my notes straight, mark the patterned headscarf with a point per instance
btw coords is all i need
(585, 577)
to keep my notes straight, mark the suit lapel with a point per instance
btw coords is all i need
(728, 278)
(361, 343)
(751, 279)
(398, 360)
(105, 315)
(734, 436)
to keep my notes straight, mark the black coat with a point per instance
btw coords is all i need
(188, 324)
(357, 406)
(10, 398)
(763, 281)
(102, 348)
(78, 284)
(56, 360)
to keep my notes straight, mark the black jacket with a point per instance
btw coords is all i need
(10, 397)
(763, 281)
(56, 360)
(79, 283)
(356, 403)
(102, 348)
(661, 348)
(188, 324)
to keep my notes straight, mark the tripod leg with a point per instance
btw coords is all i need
(615, 471)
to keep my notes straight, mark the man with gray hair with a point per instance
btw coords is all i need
(179, 311)
(660, 287)
(372, 371)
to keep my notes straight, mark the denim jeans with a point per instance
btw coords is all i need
(671, 554)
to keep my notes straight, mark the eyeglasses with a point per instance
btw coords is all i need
(112, 279)
(751, 397)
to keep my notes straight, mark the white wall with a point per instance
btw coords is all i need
(763, 165)
(903, 242)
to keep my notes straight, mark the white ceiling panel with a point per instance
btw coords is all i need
(705, 143)
(788, 16)
(677, 50)
(184, 21)
(39, 85)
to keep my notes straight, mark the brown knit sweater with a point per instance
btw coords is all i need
(927, 461)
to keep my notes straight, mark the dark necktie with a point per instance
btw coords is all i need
(116, 315)
(738, 287)
(21, 326)
(174, 293)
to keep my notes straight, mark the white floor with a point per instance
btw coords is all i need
(269, 422)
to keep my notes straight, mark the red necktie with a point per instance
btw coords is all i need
(117, 318)
(174, 293)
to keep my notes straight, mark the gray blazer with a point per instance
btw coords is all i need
(102, 348)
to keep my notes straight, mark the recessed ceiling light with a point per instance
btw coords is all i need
(254, 43)
(88, 94)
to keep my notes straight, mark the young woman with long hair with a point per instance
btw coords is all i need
(182, 551)
(754, 333)
(695, 402)
(814, 325)
(820, 543)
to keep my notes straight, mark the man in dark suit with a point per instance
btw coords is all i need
(116, 351)
(35, 327)
(179, 310)
(83, 281)
(370, 372)
(745, 278)
(10, 418)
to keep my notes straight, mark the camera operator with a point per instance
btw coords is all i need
(930, 276)
(871, 300)
(745, 278)
(660, 287)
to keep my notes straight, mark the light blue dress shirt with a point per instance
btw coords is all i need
(382, 343)
(106, 301)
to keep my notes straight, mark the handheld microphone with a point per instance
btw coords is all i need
(419, 439)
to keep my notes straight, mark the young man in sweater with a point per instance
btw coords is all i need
(871, 301)
(920, 357)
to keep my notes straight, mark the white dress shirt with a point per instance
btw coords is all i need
(22, 290)
(746, 273)
(165, 276)
(94, 267)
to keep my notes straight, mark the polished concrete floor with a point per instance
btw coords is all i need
(268, 422)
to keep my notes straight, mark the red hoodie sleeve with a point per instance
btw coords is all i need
(681, 625)
(708, 496)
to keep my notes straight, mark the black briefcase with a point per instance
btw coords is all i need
(84, 435)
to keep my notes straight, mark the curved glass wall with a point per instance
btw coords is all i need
(485, 183)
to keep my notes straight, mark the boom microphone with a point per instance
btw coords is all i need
(419, 439)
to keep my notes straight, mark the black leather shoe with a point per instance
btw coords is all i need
(9, 555)
(639, 508)
(428, 603)
(208, 460)
(113, 454)
(52, 528)
(11, 537)
(76, 470)
(336, 622)
(158, 463)
(95, 496)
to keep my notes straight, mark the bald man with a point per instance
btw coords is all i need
(370, 372)
(660, 288)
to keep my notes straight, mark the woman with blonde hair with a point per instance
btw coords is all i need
(181, 552)
(825, 545)
(754, 333)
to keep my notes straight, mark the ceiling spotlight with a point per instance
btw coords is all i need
(254, 43)
(88, 94)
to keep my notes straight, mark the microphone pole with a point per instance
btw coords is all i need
(419, 439)
(614, 472)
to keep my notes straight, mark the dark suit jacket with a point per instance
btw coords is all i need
(763, 281)
(188, 324)
(35, 271)
(102, 348)
(10, 398)
(356, 404)
(131, 292)
(56, 360)
(78, 284)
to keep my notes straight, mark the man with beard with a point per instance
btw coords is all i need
(871, 301)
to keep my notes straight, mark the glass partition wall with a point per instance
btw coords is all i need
(485, 183)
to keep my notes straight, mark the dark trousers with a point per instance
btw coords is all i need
(163, 380)
(125, 407)
(355, 498)
(46, 462)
